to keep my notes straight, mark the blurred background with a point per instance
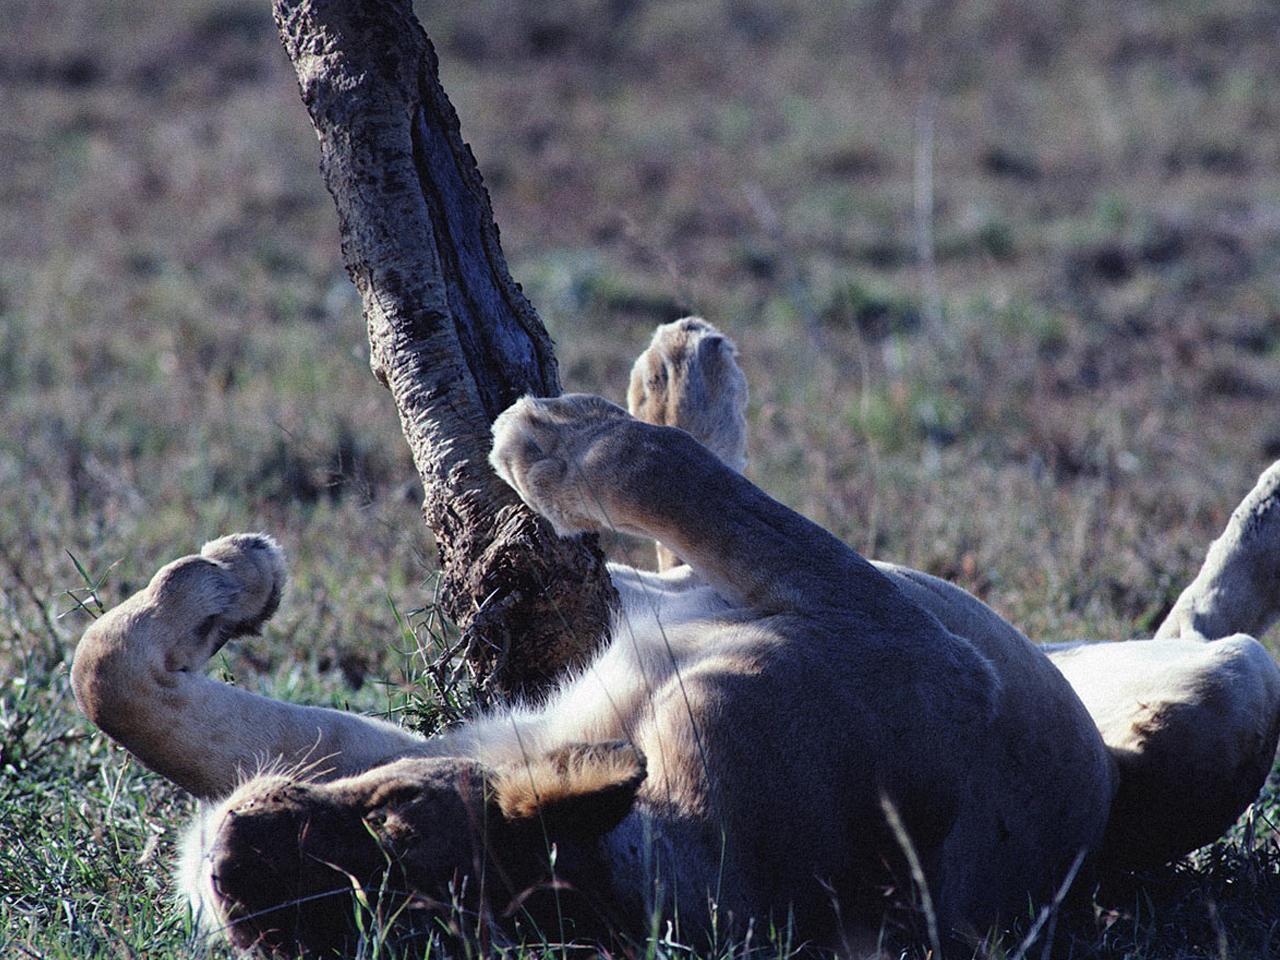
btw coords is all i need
(1003, 274)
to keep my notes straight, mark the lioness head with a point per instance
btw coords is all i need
(419, 844)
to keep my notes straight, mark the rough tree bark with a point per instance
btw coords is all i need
(451, 334)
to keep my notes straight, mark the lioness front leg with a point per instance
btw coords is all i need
(688, 377)
(583, 463)
(136, 675)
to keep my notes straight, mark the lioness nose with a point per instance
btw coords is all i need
(273, 892)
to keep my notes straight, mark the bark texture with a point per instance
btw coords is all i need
(451, 334)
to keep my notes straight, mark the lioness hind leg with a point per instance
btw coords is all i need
(1192, 717)
(688, 377)
(1192, 727)
(1238, 588)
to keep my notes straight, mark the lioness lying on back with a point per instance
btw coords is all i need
(776, 730)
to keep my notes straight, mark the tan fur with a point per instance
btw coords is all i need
(1191, 723)
(1238, 587)
(1193, 726)
(137, 675)
(732, 751)
(689, 378)
(524, 790)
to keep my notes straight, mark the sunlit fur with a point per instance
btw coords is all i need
(731, 751)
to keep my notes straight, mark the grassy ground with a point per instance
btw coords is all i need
(1004, 276)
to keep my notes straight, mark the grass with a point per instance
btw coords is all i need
(182, 356)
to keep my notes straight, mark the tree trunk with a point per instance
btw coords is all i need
(450, 333)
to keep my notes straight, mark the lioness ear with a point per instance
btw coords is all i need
(581, 788)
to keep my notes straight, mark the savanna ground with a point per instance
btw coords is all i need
(1004, 276)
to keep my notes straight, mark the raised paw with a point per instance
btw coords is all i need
(169, 629)
(198, 603)
(1238, 587)
(551, 452)
(688, 377)
(255, 563)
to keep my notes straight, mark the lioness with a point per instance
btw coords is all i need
(777, 730)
